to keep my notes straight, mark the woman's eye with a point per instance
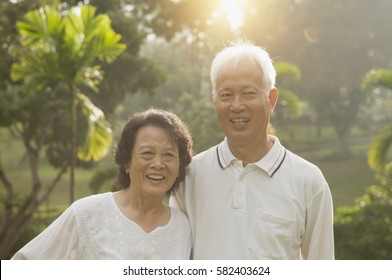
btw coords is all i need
(169, 156)
(147, 154)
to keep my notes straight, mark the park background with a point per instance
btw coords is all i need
(70, 77)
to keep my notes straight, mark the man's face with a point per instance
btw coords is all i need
(242, 106)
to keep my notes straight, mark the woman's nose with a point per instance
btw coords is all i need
(157, 161)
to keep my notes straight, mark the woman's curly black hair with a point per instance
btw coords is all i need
(168, 121)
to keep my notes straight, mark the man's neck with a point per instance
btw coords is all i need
(251, 152)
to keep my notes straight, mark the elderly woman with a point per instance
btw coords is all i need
(153, 154)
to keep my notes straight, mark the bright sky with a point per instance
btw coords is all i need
(234, 12)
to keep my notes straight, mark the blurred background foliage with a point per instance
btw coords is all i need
(334, 65)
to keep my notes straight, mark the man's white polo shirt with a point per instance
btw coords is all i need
(277, 208)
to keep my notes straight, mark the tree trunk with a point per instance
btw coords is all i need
(16, 215)
(342, 149)
(10, 233)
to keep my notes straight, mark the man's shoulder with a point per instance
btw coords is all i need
(304, 167)
(179, 215)
(299, 160)
(204, 161)
(208, 154)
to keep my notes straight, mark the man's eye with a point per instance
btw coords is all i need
(249, 94)
(225, 96)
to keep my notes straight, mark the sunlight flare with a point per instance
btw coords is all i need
(233, 12)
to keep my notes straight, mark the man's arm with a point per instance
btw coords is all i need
(177, 198)
(318, 243)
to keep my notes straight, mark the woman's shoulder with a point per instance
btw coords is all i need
(92, 211)
(93, 202)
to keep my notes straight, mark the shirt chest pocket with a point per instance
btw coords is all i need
(273, 237)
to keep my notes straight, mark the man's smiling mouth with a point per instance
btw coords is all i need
(239, 122)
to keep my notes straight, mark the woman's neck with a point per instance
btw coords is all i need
(148, 212)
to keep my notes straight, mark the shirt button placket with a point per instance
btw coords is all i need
(238, 200)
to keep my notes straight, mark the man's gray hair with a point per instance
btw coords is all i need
(240, 52)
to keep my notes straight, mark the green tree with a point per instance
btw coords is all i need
(60, 52)
(289, 105)
(364, 231)
(382, 143)
(66, 50)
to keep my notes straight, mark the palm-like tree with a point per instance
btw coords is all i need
(383, 142)
(59, 56)
(288, 99)
(64, 49)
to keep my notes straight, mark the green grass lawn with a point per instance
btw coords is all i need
(347, 179)
(17, 168)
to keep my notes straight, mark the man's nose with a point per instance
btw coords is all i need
(237, 103)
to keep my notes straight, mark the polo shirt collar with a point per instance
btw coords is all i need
(225, 156)
(270, 163)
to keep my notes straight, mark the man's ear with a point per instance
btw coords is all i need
(273, 98)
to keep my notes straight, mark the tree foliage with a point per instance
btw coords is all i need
(288, 106)
(65, 48)
(381, 144)
(61, 50)
(364, 231)
(379, 149)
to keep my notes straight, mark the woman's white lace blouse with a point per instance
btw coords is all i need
(95, 228)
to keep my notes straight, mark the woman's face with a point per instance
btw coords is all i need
(155, 162)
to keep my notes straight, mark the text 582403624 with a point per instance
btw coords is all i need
(237, 271)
